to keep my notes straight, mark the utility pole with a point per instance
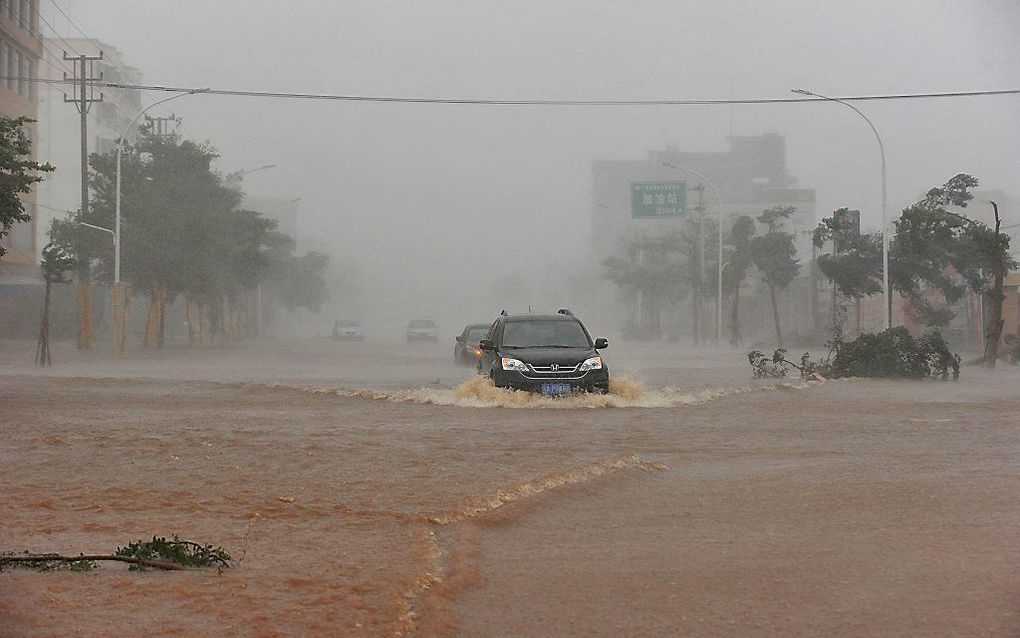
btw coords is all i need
(159, 125)
(84, 95)
(699, 296)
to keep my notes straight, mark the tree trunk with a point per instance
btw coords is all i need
(735, 339)
(191, 320)
(203, 319)
(994, 331)
(775, 316)
(152, 323)
(161, 333)
(42, 352)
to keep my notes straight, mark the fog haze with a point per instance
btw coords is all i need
(431, 204)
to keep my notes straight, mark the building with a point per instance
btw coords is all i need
(21, 50)
(750, 177)
(60, 123)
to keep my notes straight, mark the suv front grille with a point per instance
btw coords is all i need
(559, 369)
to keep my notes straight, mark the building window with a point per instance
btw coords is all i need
(29, 16)
(18, 62)
(30, 75)
(9, 67)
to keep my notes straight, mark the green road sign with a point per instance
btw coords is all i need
(654, 200)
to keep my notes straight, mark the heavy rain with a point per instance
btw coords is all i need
(348, 318)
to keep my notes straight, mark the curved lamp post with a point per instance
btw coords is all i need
(118, 331)
(718, 303)
(886, 298)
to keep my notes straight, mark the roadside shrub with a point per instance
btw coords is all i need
(892, 353)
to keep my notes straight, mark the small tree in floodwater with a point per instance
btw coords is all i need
(56, 266)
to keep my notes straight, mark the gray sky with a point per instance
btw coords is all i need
(415, 192)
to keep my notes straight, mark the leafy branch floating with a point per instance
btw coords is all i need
(159, 553)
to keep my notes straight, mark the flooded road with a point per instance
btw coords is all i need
(363, 492)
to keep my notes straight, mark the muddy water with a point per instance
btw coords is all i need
(360, 495)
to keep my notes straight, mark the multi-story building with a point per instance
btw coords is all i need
(750, 177)
(21, 50)
(60, 122)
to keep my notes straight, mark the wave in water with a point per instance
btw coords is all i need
(623, 393)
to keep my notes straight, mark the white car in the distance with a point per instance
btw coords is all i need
(422, 330)
(347, 330)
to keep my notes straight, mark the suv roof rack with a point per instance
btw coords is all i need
(564, 311)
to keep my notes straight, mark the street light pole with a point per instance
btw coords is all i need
(718, 303)
(886, 297)
(118, 329)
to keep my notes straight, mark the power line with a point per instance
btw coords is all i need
(537, 102)
(554, 102)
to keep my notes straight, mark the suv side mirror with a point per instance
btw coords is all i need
(486, 344)
(460, 338)
(601, 343)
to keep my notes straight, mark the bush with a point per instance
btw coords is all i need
(892, 353)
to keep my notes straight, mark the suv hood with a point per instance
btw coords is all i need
(548, 356)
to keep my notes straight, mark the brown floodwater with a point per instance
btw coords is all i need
(360, 493)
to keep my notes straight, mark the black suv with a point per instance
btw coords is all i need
(551, 354)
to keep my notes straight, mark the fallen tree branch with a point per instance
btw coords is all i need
(58, 558)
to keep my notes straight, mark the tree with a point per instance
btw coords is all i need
(946, 250)
(855, 263)
(55, 266)
(17, 172)
(741, 236)
(997, 249)
(651, 266)
(776, 257)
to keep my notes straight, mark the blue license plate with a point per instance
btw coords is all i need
(556, 388)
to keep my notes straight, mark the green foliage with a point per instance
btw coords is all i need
(764, 367)
(740, 259)
(948, 251)
(17, 172)
(182, 230)
(855, 263)
(893, 353)
(56, 265)
(177, 551)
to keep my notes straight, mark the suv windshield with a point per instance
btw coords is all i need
(346, 324)
(475, 335)
(544, 333)
(422, 323)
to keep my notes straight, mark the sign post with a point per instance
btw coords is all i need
(658, 200)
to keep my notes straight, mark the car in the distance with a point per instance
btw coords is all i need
(347, 330)
(466, 350)
(550, 354)
(422, 330)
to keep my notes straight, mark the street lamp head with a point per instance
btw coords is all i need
(801, 91)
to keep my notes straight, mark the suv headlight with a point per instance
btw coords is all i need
(514, 364)
(595, 363)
